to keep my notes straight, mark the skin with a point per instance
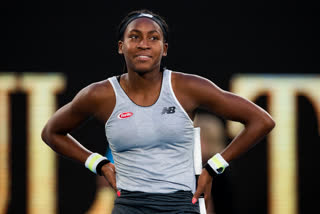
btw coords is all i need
(143, 47)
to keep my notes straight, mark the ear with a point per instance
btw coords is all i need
(120, 45)
(165, 49)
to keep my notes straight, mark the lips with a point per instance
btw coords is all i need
(143, 56)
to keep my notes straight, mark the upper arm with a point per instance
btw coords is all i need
(205, 94)
(84, 105)
(71, 115)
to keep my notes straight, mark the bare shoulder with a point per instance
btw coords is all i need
(180, 76)
(194, 84)
(93, 97)
(96, 92)
(193, 91)
(191, 80)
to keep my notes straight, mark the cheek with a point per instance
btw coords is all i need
(128, 49)
(160, 52)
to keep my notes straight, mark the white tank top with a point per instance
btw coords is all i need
(152, 146)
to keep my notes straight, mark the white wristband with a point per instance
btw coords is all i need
(93, 160)
(217, 163)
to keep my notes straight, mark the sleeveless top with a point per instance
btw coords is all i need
(152, 146)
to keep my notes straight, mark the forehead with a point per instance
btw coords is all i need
(143, 24)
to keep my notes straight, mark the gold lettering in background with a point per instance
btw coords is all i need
(41, 90)
(7, 85)
(282, 149)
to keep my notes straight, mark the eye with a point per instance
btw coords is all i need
(154, 38)
(133, 36)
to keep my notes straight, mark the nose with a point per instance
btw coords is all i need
(144, 44)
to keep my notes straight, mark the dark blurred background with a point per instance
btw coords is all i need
(212, 39)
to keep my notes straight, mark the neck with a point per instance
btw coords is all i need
(144, 81)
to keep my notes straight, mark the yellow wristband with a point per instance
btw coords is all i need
(218, 163)
(93, 160)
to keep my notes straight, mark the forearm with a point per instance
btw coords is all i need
(247, 138)
(66, 145)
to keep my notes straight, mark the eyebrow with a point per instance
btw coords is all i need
(138, 31)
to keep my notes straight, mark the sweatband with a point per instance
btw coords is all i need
(216, 165)
(143, 15)
(95, 162)
(210, 170)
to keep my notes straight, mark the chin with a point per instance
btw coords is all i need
(142, 69)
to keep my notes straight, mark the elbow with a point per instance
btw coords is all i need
(269, 123)
(45, 135)
(273, 124)
(51, 137)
